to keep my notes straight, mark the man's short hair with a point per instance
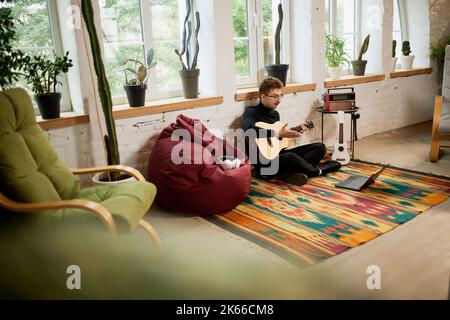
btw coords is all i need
(268, 84)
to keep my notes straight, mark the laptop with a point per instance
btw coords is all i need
(357, 182)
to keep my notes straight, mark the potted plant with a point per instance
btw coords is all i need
(43, 73)
(110, 139)
(136, 87)
(394, 58)
(189, 73)
(359, 66)
(407, 59)
(12, 61)
(335, 55)
(437, 53)
(278, 70)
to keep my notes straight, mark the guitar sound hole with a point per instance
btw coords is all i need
(341, 149)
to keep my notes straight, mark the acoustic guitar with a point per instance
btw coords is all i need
(270, 147)
(340, 153)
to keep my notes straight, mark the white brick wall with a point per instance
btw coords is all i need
(385, 105)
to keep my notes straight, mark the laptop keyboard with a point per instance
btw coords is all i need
(355, 182)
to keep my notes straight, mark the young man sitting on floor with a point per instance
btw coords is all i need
(293, 165)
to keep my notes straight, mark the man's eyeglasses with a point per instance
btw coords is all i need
(276, 97)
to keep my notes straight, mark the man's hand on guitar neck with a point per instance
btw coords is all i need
(287, 133)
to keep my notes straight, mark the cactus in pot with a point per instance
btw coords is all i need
(189, 73)
(407, 59)
(278, 70)
(359, 66)
(394, 58)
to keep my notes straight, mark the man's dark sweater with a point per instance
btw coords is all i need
(259, 113)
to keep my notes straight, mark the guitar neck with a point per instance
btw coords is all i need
(341, 133)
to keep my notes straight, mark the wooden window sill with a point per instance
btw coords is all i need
(166, 105)
(351, 79)
(67, 119)
(411, 72)
(252, 93)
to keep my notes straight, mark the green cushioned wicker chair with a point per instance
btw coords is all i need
(34, 179)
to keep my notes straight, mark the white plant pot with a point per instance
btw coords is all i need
(407, 62)
(394, 64)
(98, 177)
(335, 73)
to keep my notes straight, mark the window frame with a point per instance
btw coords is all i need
(55, 29)
(332, 23)
(145, 11)
(255, 26)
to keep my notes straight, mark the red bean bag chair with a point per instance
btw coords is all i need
(184, 169)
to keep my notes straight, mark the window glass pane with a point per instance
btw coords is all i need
(270, 16)
(327, 16)
(241, 57)
(241, 38)
(167, 21)
(345, 24)
(122, 38)
(345, 16)
(34, 34)
(396, 26)
(397, 29)
(34, 30)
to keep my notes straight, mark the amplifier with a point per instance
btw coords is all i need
(339, 101)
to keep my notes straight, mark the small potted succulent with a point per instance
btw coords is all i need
(407, 59)
(136, 86)
(278, 70)
(394, 58)
(335, 55)
(359, 66)
(189, 73)
(43, 74)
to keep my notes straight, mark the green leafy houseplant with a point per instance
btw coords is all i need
(437, 53)
(11, 61)
(335, 55)
(189, 73)
(43, 74)
(278, 70)
(359, 65)
(136, 86)
(110, 139)
(407, 58)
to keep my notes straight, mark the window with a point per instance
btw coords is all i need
(341, 20)
(131, 28)
(397, 28)
(254, 24)
(38, 32)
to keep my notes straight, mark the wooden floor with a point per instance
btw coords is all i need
(414, 259)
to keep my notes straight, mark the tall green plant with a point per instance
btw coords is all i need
(335, 51)
(364, 47)
(187, 35)
(112, 146)
(278, 34)
(11, 61)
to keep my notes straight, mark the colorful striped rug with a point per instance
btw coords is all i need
(308, 224)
